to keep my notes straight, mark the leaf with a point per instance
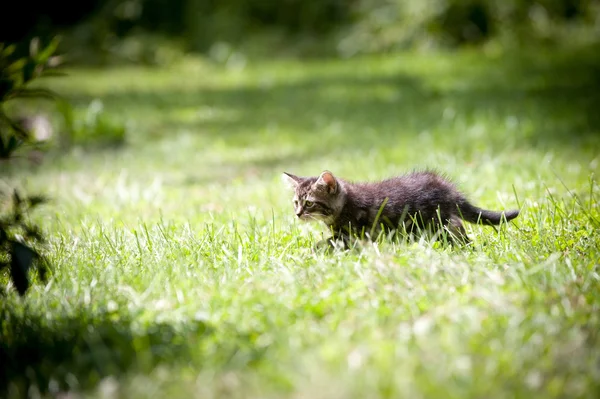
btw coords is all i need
(33, 93)
(45, 54)
(22, 258)
(29, 71)
(16, 66)
(13, 144)
(8, 50)
(4, 153)
(7, 149)
(35, 200)
(21, 132)
(34, 46)
(6, 86)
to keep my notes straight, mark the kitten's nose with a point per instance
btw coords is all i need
(299, 212)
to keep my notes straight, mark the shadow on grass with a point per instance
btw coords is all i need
(536, 100)
(297, 111)
(75, 352)
(558, 94)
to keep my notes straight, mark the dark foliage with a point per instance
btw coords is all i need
(19, 240)
(29, 19)
(16, 75)
(95, 27)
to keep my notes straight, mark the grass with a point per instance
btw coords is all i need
(179, 268)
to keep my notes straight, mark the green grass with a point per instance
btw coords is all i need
(179, 267)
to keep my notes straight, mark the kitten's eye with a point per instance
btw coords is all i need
(296, 202)
(308, 204)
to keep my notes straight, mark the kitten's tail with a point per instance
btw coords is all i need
(473, 214)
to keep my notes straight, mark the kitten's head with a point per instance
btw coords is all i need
(316, 198)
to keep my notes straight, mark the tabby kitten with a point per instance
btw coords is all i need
(421, 201)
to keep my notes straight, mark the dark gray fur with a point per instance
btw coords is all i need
(415, 202)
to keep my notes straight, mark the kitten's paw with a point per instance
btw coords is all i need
(329, 245)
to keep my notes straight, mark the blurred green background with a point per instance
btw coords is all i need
(154, 31)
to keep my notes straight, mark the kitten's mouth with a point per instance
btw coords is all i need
(311, 217)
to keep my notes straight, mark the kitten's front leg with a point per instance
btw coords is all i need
(334, 242)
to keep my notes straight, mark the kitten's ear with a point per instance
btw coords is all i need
(327, 181)
(290, 179)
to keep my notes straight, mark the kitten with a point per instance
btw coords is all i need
(416, 202)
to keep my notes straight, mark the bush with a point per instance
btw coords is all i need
(16, 75)
(19, 238)
(18, 241)
(382, 25)
(156, 31)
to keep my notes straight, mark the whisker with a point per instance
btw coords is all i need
(314, 216)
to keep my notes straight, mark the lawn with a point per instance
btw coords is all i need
(180, 269)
